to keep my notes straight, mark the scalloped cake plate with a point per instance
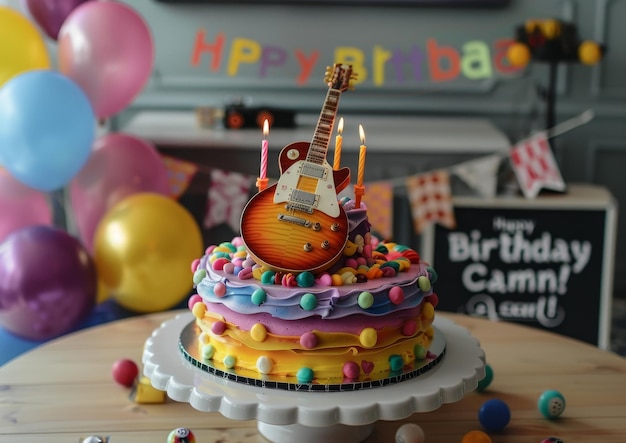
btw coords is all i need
(287, 416)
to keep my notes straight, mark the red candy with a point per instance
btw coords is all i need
(433, 299)
(125, 372)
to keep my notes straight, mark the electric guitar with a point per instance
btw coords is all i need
(297, 224)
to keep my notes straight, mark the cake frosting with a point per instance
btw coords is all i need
(367, 317)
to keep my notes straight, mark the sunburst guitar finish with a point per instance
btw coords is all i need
(282, 233)
(297, 224)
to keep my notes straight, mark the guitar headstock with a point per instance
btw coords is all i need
(339, 76)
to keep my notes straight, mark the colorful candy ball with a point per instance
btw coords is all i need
(494, 415)
(476, 437)
(552, 440)
(181, 435)
(410, 433)
(486, 380)
(125, 372)
(551, 404)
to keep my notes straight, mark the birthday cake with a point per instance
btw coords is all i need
(307, 294)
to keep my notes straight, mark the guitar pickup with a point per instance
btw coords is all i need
(313, 170)
(296, 220)
(303, 198)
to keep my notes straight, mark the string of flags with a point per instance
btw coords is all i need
(429, 193)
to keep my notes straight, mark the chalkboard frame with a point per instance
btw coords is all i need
(588, 308)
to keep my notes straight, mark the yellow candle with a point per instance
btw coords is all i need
(338, 144)
(362, 152)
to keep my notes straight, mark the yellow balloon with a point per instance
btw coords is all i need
(589, 52)
(518, 54)
(22, 47)
(143, 249)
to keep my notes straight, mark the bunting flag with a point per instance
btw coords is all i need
(430, 197)
(481, 174)
(379, 199)
(535, 166)
(228, 194)
(179, 174)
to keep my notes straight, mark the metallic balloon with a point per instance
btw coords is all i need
(143, 248)
(48, 283)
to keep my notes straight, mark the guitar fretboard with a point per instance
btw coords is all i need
(324, 128)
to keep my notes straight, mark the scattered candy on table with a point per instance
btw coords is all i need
(144, 393)
(125, 371)
(551, 404)
(181, 435)
(476, 437)
(494, 415)
(410, 433)
(486, 380)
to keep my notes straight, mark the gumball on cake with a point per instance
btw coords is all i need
(308, 298)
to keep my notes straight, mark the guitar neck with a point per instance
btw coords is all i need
(323, 130)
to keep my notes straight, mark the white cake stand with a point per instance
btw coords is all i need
(310, 417)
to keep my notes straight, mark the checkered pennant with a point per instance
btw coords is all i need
(535, 166)
(431, 200)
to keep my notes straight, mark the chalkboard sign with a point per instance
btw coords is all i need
(543, 267)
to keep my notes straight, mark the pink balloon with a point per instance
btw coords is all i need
(20, 206)
(50, 14)
(107, 48)
(120, 165)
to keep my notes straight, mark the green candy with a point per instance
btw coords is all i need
(305, 375)
(305, 279)
(308, 302)
(365, 300)
(267, 278)
(258, 297)
(198, 276)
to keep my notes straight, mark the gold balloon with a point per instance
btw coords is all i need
(143, 249)
(22, 47)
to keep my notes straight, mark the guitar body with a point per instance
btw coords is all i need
(281, 245)
(297, 224)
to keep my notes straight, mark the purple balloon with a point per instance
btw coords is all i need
(50, 14)
(21, 206)
(119, 166)
(48, 283)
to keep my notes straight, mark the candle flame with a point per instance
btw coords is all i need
(266, 128)
(362, 134)
(340, 127)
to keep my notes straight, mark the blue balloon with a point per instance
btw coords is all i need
(47, 129)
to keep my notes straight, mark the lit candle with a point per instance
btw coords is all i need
(338, 143)
(362, 152)
(264, 149)
(359, 189)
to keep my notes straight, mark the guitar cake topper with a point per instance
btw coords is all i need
(297, 224)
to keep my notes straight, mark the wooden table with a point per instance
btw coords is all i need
(63, 390)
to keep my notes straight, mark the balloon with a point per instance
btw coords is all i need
(50, 14)
(107, 48)
(120, 165)
(143, 248)
(22, 47)
(47, 131)
(47, 283)
(20, 206)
